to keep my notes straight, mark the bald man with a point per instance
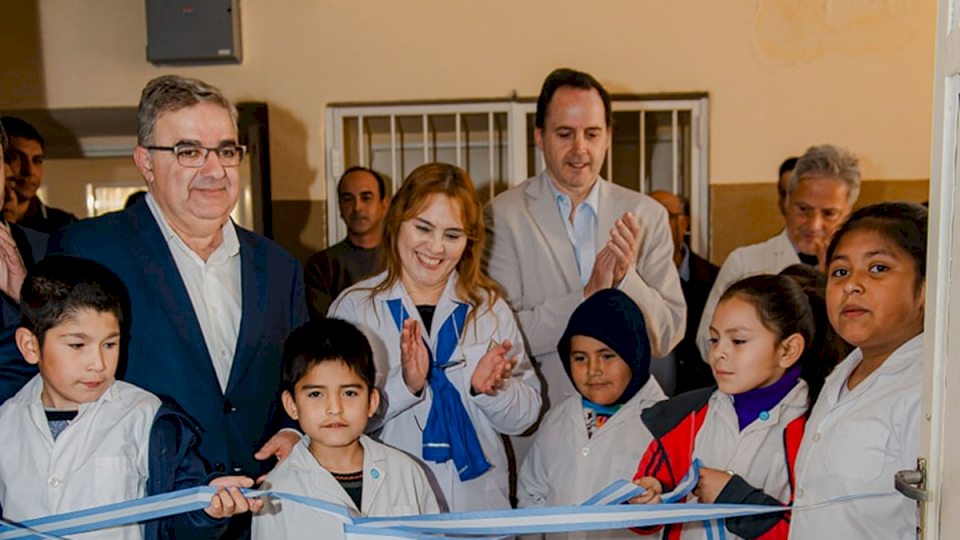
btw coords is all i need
(696, 278)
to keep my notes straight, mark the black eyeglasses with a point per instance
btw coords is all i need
(194, 156)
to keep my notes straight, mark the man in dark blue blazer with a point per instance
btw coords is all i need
(166, 352)
(211, 304)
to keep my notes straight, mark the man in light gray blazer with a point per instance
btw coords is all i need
(564, 234)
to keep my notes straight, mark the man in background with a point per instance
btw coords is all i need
(696, 278)
(822, 190)
(20, 249)
(363, 204)
(786, 171)
(25, 158)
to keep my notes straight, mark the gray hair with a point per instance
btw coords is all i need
(828, 160)
(170, 93)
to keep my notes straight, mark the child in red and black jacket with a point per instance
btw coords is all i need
(747, 429)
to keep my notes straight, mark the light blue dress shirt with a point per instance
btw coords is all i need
(583, 231)
(684, 268)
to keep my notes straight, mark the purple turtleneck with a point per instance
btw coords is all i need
(750, 405)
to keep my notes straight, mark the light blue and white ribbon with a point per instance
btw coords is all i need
(603, 511)
(112, 515)
(621, 491)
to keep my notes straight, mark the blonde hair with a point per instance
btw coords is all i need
(440, 178)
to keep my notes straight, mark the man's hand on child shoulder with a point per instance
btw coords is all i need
(279, 446)
(228, 500)
(653, 489)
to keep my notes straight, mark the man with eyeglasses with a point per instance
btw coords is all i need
(211, 303)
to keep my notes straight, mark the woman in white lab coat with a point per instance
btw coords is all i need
(457, 376)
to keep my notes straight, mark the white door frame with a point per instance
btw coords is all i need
(941, 517)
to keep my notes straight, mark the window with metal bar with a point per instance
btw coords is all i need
(657, 144)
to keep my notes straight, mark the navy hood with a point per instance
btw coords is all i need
(612, 317)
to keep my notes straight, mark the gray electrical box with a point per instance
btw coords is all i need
(193, 32)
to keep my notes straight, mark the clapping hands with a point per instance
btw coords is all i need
(617, 256)
(414, 359)
(494, 370)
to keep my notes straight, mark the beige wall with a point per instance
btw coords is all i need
(781, 74)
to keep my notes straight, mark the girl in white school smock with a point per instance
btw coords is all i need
(765, 347)
(457, 377)
(865, 426)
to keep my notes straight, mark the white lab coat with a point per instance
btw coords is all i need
(756, 454)
(564, 467)
(393, 485)
(855, 444)
(768, 257)
(101, 458)
(514, 409)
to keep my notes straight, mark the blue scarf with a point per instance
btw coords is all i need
(449, 433)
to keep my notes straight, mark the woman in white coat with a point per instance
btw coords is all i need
(457, 377)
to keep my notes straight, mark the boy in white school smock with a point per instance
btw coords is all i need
(328, 387)
(77, 438)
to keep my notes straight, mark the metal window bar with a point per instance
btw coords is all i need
(361, 146)
(426, 138)
(490, 159)
(393, 153)
(675, 151)
(508, 147)
(456, 128)
(642, 184)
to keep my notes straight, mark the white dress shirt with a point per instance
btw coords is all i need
(214, 289)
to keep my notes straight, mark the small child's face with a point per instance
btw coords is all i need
(598, 372)
(78, 360)
(744, 354)
(872, 298)
(332, 405)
